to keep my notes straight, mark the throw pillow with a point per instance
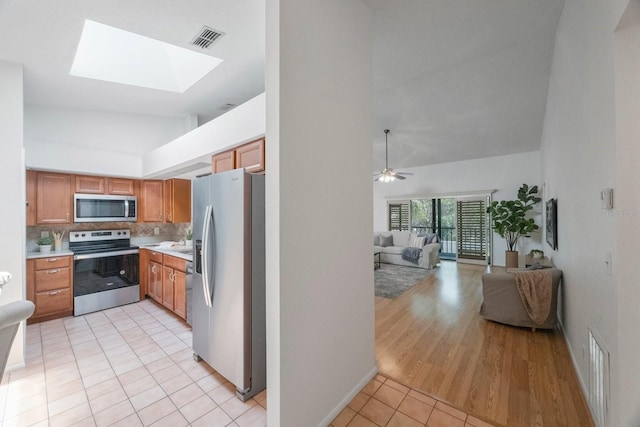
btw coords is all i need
(413, 240)
(418, 243)
(386, 240)
(376, 240)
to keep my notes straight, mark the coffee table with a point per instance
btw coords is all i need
(376, 259)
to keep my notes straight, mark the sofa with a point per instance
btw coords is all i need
(392, 244)
(502, 302)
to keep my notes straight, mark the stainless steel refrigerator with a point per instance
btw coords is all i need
(228, 292)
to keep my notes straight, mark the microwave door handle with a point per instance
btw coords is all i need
(126, 209)
(204, 253)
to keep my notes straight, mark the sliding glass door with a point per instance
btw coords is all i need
(461, 224)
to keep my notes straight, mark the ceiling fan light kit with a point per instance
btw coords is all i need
(387, 174)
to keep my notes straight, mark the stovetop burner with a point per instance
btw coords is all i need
(83, 242)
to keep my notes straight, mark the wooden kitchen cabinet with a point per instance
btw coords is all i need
(177, 200)
(251, 156)
(224, 161)
(49, 287)
(121, 186)
(90, 184)
(31, 187)
(151, 278)
(151, 203)
(168, 280)
(54, 202)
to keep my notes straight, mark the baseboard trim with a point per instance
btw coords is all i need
(348, 398)
(576, 369)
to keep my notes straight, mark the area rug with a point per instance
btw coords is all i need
(392, 280)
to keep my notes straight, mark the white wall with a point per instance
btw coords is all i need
(502, 173)
(95, 142)
(578, 161)
(12, 208)
(627, 211)
(320, 304)
(242, 124)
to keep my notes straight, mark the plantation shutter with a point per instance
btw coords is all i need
(399, 217)
(471, 221)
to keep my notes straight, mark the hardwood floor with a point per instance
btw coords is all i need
(432, 338)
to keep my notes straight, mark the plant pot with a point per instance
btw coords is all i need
(45, 248)
(188, 242)
(511, 259)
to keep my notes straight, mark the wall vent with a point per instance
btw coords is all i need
(598, 380)
(206, 37)
(227, 107)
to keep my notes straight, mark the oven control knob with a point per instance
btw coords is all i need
(76, 235)
(83, 234)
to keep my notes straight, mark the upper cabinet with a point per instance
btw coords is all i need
(90, 184)
(53, 198)
(32, 184)
(121, 186)
(177, 200)
(50, 196)
(103, 185)
(151, 206)
(250, 156)
(224, 161)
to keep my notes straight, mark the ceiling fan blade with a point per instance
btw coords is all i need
(377, 178)
(397, 175)
(404, 173)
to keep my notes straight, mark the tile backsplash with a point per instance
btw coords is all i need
(141, 233)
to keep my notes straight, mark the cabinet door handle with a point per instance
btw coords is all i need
(54, 293)
(153, 269)
(52, 259)
(53, 271)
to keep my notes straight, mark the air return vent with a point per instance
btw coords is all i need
(598, 380)
(227, 107)
(206, 37)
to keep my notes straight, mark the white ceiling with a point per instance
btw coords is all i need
(43, 35)
(453, 79)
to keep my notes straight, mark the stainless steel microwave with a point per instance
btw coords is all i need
(104, 208)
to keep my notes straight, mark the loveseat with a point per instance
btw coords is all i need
(392, 244)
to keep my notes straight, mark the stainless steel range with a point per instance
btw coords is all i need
(105, 270)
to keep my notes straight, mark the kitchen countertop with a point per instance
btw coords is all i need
(184, 252)
(38, 254)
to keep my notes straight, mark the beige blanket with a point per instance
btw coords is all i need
(535, 290)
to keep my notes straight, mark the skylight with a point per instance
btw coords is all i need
(114, 55)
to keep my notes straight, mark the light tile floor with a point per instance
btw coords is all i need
(384, 402)
(127, 366)
(133, 366)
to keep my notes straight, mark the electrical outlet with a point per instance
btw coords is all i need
(44, 234)
(156, 230)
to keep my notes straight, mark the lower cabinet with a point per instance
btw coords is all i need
(49, 287)
(166, 281)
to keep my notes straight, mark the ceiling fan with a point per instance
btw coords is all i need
(387, 174)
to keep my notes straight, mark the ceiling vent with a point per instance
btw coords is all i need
(206, 37)
(227, 107)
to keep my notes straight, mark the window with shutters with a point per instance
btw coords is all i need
(399, 216)
(472, 229)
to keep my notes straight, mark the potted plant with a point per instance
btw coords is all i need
(45, 243)
(510, 221)
(188, 236)
(536, 253)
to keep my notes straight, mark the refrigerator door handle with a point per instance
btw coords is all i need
(206, 227)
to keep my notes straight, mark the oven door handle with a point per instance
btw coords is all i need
(105, 254)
